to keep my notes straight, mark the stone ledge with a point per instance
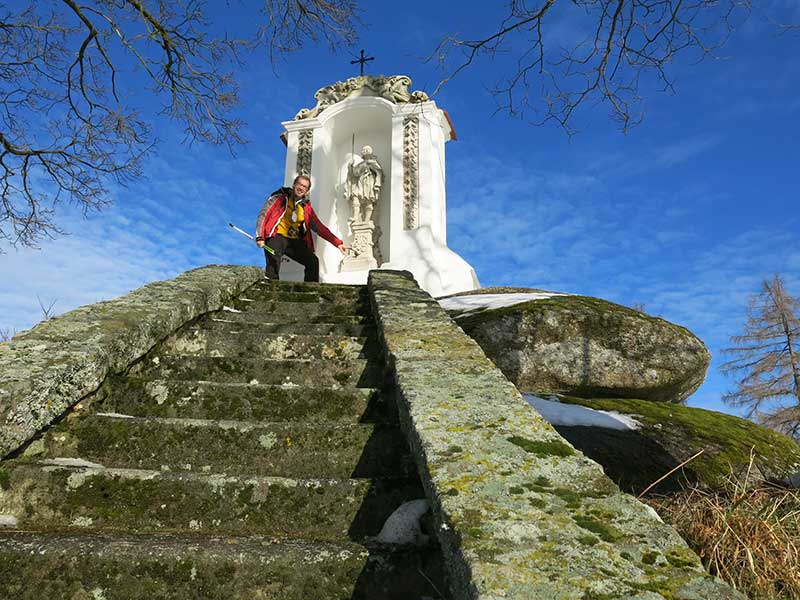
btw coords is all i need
(49, 368)
(520, 513)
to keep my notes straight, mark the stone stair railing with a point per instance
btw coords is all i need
(221, 444)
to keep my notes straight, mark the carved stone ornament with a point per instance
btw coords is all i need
(410, 172)
(394, 89)
(305, 148)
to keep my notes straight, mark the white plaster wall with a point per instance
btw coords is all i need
(379, 123)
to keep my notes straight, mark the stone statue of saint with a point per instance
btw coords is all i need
(364, 181)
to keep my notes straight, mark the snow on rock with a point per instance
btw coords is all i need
(113, 415)
(402, 526)
(229, 309)
(476, 302)
(73, 462)
(573, 415)
(8, 521)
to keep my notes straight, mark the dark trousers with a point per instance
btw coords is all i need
(295, 249)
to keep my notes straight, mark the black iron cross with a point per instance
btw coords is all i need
(362, 60)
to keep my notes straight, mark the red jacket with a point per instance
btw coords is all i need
(270, 215)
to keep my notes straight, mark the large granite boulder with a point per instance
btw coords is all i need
(638, 441)
(581, 346)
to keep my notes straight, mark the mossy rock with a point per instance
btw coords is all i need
(671, 434)
(588, 347)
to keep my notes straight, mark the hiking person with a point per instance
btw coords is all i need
(284, 226)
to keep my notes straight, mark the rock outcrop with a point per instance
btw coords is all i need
(587, 347)
(667, 435)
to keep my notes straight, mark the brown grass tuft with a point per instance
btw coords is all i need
(748, 536)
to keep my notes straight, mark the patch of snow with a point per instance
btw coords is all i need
(8, 521)
(114, 415)
(402, 526)
(229, 309)
(222, 320)
(472, 303)
(573, 415)
(73, 462)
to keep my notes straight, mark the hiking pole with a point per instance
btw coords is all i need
(247, 235)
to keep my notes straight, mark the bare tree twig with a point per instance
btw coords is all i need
(67, 130)
(624, 44)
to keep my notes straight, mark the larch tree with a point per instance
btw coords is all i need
(766, 363)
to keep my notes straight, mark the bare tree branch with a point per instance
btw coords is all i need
(67, 129)
(624, 43)
(292, 22)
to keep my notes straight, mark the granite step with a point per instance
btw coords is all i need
(288, 449)
(336, 374)
(74, 495)
(35, 566)
(235, 340)
(266, 287)
(340, 325)
(299, 320)
(306, 307)
(142, 397)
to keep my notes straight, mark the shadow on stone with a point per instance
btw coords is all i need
(629, 458)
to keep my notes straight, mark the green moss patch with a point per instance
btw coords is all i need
(727, 441)
(542, 447)
(604, 531)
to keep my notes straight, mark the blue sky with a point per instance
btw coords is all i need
(687, 213)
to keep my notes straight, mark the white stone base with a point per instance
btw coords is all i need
(358, 263)
(348, 278)
(452, 274)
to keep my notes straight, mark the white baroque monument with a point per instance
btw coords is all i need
(375, 155)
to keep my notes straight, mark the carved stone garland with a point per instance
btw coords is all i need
(410, 172)
(305, 147)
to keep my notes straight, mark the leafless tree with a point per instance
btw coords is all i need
(47, 311)
(767, 359)
(69, 122)
(620, 46)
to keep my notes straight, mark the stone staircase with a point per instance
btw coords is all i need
(254, 454)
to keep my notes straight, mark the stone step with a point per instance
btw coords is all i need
(241, 401)
(228, 339)
(336, 374)
(264, 288)
(344, 326)
(299, 450)
(37, 566)
(275, 310)
(299, 319)
(53, 495)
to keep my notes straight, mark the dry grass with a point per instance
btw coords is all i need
(748, 536)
